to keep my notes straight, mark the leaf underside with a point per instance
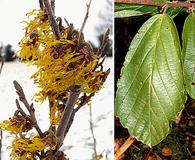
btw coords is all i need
(188, 51)
(150, 91)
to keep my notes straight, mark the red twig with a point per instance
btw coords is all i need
(160, 4)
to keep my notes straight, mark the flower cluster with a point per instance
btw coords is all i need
(61, 63)
(68, 74)
(16, 124)
(25, 148)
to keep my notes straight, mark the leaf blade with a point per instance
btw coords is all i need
(188, 50)
(151, 81)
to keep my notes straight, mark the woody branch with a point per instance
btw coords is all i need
(178, 4)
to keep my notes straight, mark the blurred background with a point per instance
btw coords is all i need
(79, 142)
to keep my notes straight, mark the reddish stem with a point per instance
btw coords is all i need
(160, 4)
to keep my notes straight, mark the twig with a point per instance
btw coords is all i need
(20, 110)
(178, 119)
(66, 21)
(92, 132)
(85, 19)
(190, 134)
(177, 4)
(30, 108)
(148, 154)
(64, 121)
(103, 43)
(2, 63)
(59, 20)
(124, 147)
(53, 6)
(100, 64)
(53, 22)
(1, 138)
(85, 100)
(41, 4)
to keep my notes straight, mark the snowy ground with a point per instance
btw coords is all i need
(79, 139)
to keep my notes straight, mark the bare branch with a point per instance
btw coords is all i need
(53, 22)
(59, 20)
(63, 125)
(1, 139)
(84, 100)
(104, 42)
(20, 109)
(85, 19)
(177, 4)
(92, 132)
(67, 23)
(2, 63)
(30, 108)
(41, 4)
(100, 64)
(53, 6)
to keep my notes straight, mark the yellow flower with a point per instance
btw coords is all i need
(26, 147)
(61, 67)
(37, 31)
(61, 63)
(16, 124)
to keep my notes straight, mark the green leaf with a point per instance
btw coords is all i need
(127, 13)
(141, 8)
(188, 51)
(174, 11)
(137, 7)
(150, 91)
